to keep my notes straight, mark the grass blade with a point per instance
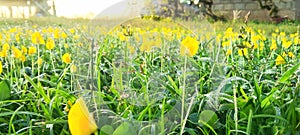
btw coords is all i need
(249, 122)
(38, 88)
(288, 74)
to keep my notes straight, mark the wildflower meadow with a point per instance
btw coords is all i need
(146, 76)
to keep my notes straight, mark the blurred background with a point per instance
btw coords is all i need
(274, 10)
(59, 8)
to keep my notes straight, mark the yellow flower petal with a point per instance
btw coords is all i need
(229, 52)
(40, 61)
(1, 67)
(189, 46)
(17, 53)
(291, 55)
(79, 119)
(243, 52)
(73, 68)
(66, 58)
(32, 50)
(279, 60)
(50, 44)
(273, 45)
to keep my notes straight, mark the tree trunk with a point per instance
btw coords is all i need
(297, 17)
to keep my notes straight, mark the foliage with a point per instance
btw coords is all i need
(231, 83)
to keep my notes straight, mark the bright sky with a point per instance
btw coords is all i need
(87, 8)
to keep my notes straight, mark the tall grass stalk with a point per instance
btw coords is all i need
(183, 95)
(235, 109)
(188, 112)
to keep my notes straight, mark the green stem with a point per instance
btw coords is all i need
(183, 95)
(38, 79)
(52, 60)
(235, 110)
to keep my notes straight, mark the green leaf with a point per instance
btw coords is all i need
(249, 125)
(4, 90)
(209, 117)
(190, 131)
(178, 92)
(38, 88)
(106, 130)
(289, 73)
(193, 118)
(267, 101)
(124, 129)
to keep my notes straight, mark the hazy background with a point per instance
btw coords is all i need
(91, 8)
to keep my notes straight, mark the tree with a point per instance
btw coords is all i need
(206, 6)
(273, 10)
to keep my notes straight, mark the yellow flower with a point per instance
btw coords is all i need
(73, 68)
(273, 45)
(66, 46)
(229, 52)
(263, 38)
(50, 29)
(1, 67)
(247, 44)
(7, 37)
(296, 40)
(283, 54)
(3, 53)
(44, 31)
(23, 58)
(286, 44)
(17, 37)
(32, 50)
(282, 34)
(64, 35)
(261, 46)
(178, 35)
(189, 46)
(66, 58)
(56, 33)
(50, 44)
(41, 40)
(226, 43)
(76, 37)
(218, 38)
(255, 38)
(122, 37)
(36, 38)
(255, 45)
(279, 60)
(72, 31)
(228, 30)
(80, 121)
(40, 61)
(17, 53)
(6, 47)
(147, 45)
(243, 52)
(24, 49)
(291, 55)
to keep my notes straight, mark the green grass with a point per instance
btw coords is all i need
(154, 92)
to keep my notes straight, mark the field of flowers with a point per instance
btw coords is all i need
(149, 77)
